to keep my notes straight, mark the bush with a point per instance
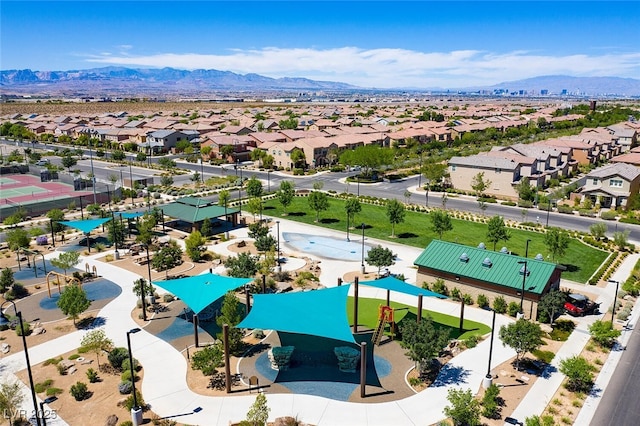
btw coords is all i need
(562, 208)
(54, 391)
(41, 387)
(491, 402)
(79, 391)
(467, 299)
(92, 375)
(126, 366)
(117, 356)
(500, 305)
(513, 309)
(207, 359)
(609, 215)
(167, 298)
(579, 373)
(471, 341)
(126, 376)
(129, 402)
(440, 287)
(603, 333)
(27, 329)
(482, 301)
(61, 369)
(455, 294)
(125, 387)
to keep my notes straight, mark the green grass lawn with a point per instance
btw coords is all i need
(368, 317)
(581, 260)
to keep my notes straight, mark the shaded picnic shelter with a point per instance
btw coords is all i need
(86, 226)
(192, 211)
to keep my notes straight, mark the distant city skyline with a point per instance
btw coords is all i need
(379, 44)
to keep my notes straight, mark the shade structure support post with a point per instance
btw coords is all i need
(195, 330)
(247, 298)
(388, 297)
(264, 283)
(355, 305)
(363, 369)
(227, 366)
(419, 308)
(339, 282)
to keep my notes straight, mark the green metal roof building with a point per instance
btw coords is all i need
(194, 211)
(475, 270)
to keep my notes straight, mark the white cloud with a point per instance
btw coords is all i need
(387, 68)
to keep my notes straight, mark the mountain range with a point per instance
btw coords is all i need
(121, 81)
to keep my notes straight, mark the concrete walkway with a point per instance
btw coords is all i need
(165, 389)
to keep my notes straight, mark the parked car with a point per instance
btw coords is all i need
(579, 305)
(42, 162)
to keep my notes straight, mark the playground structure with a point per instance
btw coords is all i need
(385, 316)
(31, 258)
(66, 280)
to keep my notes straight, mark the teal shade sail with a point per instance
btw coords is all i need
(200, 291)
(130, 215)
(317, 313)
(394, 284)
(87, 225)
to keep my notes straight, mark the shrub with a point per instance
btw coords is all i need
(79, 391)
(482, 301)
(471, 341)
(92, 375)
(258, 334)
(117, 356)
(207, 359)
(41, 387)
(167, 298)
(129, 402)
(603, 333)
(61, 369)
(126, 366)
(544, 356)
(579, 373)
(513, 308)
(440, 287)
(455, 293)
(125, 387)
(126, 376)
(500, 305)
(53, 391)
(490, 402)
(609, 215)
(27, 329)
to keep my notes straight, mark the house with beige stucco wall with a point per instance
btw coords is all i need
(504, 174)
(612, 185)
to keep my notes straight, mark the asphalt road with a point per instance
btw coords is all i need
(619, 405)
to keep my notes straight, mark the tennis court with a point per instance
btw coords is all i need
(7, 181)
(21, 191)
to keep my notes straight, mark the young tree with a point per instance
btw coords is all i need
(116, 231)
(380, 257)
(242, 266)
(524, 189)
(208, 359)
(259, 412)
(73, 301)
(141, 157)
(369, 157)
(621, 239)
(254, 187)
(423, 340)
(603, 333)
(285, 194)
(395, 213)
(68, 161)
(118, 155)
(145, 227)
(230, 315)
(318, 201)
(598, 230)
(96, 341)
(11, 398)
(66, 260)
(464, 409)
(440, 222)
(224, 197)
(551, 304)
(557, 242)
(255, 206)
(579, 373)
(298, 158)
(479, 184)
(352, 207)
(55, 216)
(206, 228)
(497, 231)
(193, 245)
(17, 238)
(167, 257)
(522, 336)
(6, 280)
(434, 172)
(166, 180)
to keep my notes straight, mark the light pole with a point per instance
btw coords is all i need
(524, 277)
(526, 249)
(93, 176)
(615, 300)
(240, 191)
(362, 262)
(278, 255)
(427, 182)
(4, 320)
(202, 169)
(136, 411)
(131, 184)
(548, 210)
(488, 379)
(348, 226)
(420, 172)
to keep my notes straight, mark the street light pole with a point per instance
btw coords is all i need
(362, 262)
(136, 411)
(524, 277)
(93, 176)
(548, 210)
(348, 226)
(526, 249)
(420, 171)
(488, 378)
(3, 320)
(615, 300)
(131, 184)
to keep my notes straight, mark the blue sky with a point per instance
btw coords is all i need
(379, 44)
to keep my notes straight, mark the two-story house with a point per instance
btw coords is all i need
(610, 186)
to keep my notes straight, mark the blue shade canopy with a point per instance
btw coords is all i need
(320, 313)
(130, 215)
(394, 284)
(85, 226)
(200, 291)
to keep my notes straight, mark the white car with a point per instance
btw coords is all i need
(42, 162)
